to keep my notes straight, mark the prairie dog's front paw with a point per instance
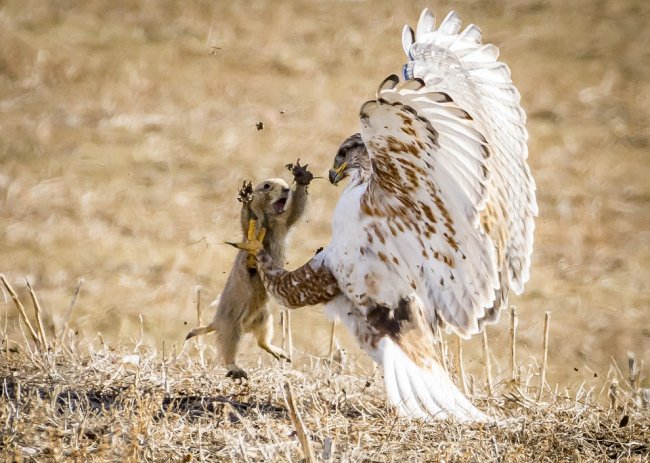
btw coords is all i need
(245, 193)
(301, 174)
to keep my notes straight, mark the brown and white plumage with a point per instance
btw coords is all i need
(435, 225)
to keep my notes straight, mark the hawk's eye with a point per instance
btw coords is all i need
(340, 156)
(267, 186)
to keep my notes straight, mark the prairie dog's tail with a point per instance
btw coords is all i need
(199, 331)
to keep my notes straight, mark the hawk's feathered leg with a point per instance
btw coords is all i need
(311, 284)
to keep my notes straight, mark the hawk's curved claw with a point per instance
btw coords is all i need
(254, 241)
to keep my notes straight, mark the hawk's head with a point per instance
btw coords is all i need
(352, 157)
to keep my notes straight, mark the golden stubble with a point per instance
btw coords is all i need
(126, 129)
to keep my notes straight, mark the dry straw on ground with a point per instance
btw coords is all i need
(89, 401)
(127, 126)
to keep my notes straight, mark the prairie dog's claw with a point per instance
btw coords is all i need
(245, 193)
(237, 373)
(301, 175)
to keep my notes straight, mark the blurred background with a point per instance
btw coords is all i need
(127, 126)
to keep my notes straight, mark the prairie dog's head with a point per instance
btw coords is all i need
(271, 197)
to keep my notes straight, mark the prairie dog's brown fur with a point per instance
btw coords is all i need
(242, 306)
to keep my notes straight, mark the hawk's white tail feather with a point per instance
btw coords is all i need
(423, 393)
(421, 390)
(398, 388)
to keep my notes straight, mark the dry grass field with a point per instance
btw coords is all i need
(126, 128)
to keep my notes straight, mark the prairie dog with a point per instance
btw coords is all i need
(242, 306)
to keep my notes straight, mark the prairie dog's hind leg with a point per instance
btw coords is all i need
(236, 372)
(228, 338)
(263, 331)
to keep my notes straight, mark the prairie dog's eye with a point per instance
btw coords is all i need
(267, 186)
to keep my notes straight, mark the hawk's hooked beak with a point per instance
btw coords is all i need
(336, 175)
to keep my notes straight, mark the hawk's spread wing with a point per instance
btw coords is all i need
(459, 64)
(447, 212)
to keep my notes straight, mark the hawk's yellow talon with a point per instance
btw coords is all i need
(251, 229)
(253, 242)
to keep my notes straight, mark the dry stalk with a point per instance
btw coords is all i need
(635, 377)
(140, 341)
(287, 340)
(283, 323)
(289, 336)
(634, 369)
(199, 321)
(21, 309)
(39, 321)
(66, 322)
(305, 443)
(163, 372)
(200, 435)
(459, 364)
(542, 375)
(199, 315)
(488, 363)
(6, 322)
(513, 343)
(331, 352)
(613, 393)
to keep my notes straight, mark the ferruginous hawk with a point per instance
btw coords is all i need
(435, 226)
